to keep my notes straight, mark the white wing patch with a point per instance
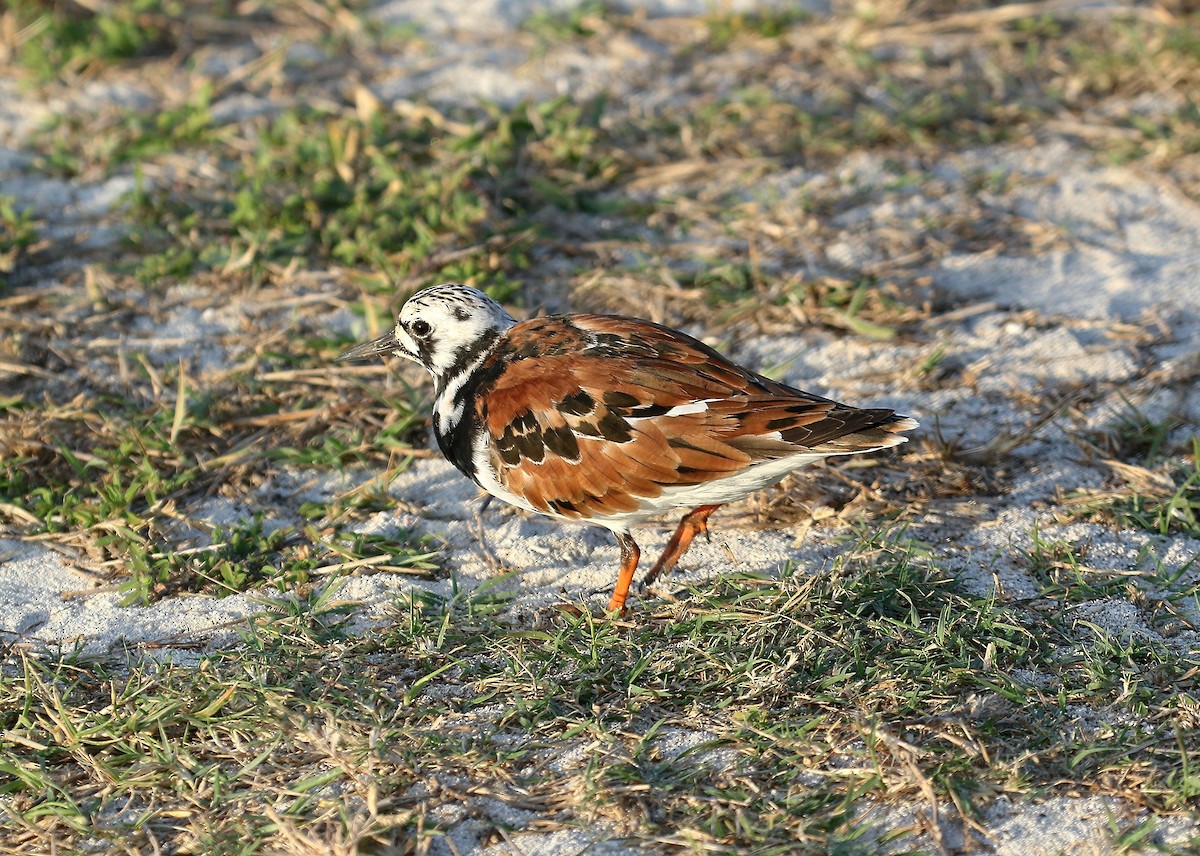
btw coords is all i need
(692, 407)
(689, 408)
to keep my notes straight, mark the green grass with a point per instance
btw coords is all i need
(68, 42)
(1167, 502)
(246, 557)
(466, 195)
(131, 138)
(584, 21)
(444, 196)
(1159, 492)
(18, 232)
(874, 678)
(724, 28)
(61, 39)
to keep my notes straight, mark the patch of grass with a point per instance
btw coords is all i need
(18, 232)
(1065, 578)
(1133, 837)
(403, 418)
(1160, 140)
(133, 468)
(164, 442)
(131, 137)
(759, 712)
(1119, 62)
(1137, 438)
(1130, 57)
(172, 736)
(1164, 499)
(64, 41)
(245, 556)
(866, 307)
(429, 195)
(70, 39)
(765, 23)
(580, 22)
(756, 123)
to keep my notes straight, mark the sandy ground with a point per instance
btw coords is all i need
(1127, 260)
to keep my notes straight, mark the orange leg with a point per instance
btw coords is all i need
(629, 562)
(694, 521)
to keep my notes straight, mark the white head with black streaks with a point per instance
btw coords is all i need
(447, 328)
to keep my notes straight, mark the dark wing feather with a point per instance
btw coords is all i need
(579, 415)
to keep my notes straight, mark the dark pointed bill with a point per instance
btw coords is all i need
(385, 344)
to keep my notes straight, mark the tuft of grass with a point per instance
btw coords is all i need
(724, 28)
(245, 556)
(1164, 499)
(65, 42)
(63, 39)
(582, 21)
(866, 307)
(1130, 58)
(1136, 437)
(18, 233)
(756, 123)
(1064, 576)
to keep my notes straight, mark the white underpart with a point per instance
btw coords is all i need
(488, 481)
(716, 492)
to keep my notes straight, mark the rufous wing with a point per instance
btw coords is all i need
(614, 410)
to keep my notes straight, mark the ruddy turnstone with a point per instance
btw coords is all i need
(611, 420)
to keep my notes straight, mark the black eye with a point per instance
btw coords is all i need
(420, 327)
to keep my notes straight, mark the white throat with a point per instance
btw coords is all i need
(449, 406)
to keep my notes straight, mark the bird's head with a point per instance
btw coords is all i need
(446, 328)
